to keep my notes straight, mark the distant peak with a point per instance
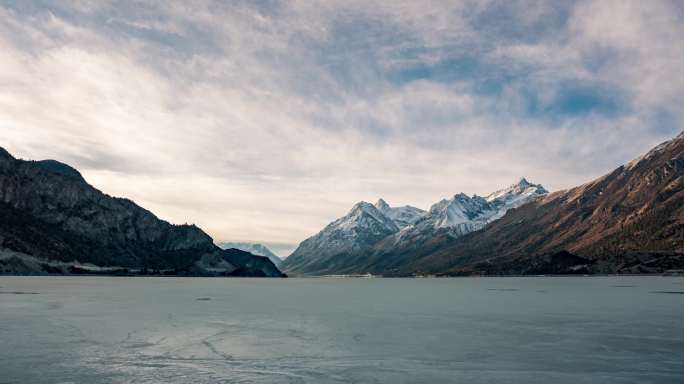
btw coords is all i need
(382, 204)
(523, 182)
(361, 205)
(520, 188)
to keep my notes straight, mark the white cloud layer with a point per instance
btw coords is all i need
(264, 121)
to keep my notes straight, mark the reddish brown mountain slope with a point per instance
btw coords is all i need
(629, 221)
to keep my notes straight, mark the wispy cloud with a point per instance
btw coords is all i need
(262, 121)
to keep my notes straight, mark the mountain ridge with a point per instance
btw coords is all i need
(456, 216)
(401, 216)
(630, 220)
(51, 200)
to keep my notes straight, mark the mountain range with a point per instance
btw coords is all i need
(628, 221)
(253, 248)
(54, 222)
(347, 244)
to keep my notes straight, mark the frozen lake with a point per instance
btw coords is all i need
(468, 330)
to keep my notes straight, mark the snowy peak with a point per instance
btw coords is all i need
(523, 183)
(369, 209)
(470, 213)
(401, 216)
(462, 214)
(460, 209)
(514, 196)
(364, 215)
(359, 229)
(363, 226)
(361, 207)
(522, 187)
(368, 225)
(382, 205)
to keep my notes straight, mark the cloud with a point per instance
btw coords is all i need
(263, 121)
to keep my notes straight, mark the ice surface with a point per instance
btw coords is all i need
(470, 330)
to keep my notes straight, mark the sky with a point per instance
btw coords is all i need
(264, 120)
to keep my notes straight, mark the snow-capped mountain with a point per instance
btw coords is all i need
(461, 212)
(365, 216)
(465, 214)
(374, 229)
(514, 196)
(460, 215)
(362, 227)
(627, 221)
(254, 249)
(402, 216)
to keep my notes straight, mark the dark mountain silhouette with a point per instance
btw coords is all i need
(52, 221)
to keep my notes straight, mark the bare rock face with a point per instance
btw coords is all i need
(50, 212)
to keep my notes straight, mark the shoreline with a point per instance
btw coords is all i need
(345, 277)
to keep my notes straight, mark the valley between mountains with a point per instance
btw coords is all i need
(630, 221)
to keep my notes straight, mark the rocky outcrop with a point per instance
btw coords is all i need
(50, 212)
